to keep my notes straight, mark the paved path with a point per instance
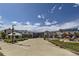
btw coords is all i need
(34, 47)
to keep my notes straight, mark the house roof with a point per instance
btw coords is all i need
(15, 33)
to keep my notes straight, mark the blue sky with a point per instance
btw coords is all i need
(39, 17)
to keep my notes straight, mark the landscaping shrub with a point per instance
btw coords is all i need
(44, 38)
(22, 39)
(1, 54)
(10, 41)
(3, 35)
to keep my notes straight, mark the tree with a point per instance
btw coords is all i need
(3, 35)
(76, 34)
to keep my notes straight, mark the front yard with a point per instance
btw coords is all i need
(72, 46)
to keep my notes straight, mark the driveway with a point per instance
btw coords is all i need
(33, 47)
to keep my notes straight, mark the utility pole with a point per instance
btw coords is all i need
(12, 34)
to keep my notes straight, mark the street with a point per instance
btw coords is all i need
(33, 47)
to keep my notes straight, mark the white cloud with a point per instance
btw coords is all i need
(24, 27)
(37, 24)
(2, 27)
(47, 22)
(41, 16)
(50, 23)
(16, 23)
(1, 22)
(42, 29)
(55, 6)
(76, 5)
(46, 28)
(52, 10)
(27, 23)
(54, 22)
(0, 17)
(71, 24)
(66, 25)
(60, 8)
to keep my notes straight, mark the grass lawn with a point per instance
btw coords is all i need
(73, 47)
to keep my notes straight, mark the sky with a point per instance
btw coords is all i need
(39, 17)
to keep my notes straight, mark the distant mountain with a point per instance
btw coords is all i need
(21, 30)
(70, 29)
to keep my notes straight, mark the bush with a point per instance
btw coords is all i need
(44, 38)
(22, 39)
(1, 54)
(3, 35)
(10, 41)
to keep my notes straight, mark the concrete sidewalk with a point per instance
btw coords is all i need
(33, 47)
